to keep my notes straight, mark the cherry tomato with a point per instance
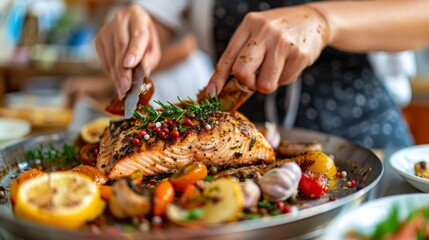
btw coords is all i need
(312, 184)
(188, 175)
(164, 195)
(117, 107)
(105, 192)
(190, 197)
(88, 154)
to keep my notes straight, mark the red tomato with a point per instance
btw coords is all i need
(313, 184)
(88, 154)
(117, 107)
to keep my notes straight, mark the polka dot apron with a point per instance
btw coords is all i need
(339, 93)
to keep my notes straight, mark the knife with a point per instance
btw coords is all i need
(132, 97)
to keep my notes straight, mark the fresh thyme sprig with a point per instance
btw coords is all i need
(174, 112)
(53, 155)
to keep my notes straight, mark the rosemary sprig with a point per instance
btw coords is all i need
(174, 112)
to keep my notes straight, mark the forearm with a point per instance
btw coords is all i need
(359, 26)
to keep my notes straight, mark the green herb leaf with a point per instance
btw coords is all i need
(209, 179)
(172, 111)
(194, 214)
(252, 142)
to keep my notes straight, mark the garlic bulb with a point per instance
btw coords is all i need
(279, 184)
(251, 193)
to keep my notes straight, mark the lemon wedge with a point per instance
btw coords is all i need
(62, 199)
(92, 131)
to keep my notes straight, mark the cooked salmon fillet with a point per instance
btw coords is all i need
(220, 139)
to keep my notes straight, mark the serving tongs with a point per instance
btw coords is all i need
(232, 96)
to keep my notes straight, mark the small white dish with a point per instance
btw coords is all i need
(366, 217)
(13, 128)
(403, 162)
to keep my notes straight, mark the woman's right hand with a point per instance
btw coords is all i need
(129, 40)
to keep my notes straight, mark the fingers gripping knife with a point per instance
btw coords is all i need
(138, 87)
(232, 96)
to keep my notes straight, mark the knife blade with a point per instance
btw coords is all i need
(132, 97)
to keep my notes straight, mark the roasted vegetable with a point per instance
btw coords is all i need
(98, 177)
(188, 175)
(164, 195)
(224, 201)
(279, 184)
(317, 162)
(313, 185)
(251, 193)
(129, 200)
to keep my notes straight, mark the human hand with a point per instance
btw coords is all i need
(129, 40)
(278, 43)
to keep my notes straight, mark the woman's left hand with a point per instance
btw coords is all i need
(271, 48)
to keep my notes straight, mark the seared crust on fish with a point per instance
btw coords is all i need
(220, 139)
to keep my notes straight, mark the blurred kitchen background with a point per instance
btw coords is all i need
(47, 46)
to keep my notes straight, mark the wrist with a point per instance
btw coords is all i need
(324, 27)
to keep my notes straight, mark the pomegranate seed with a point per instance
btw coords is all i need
(142, 133)
(166, 130)
(280, 205)
(175, 134)
(157, 129)
(287, 209)
(169, 122)
(136, 141)
(353, 183)
(161, 135)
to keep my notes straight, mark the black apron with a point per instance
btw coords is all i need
(340, 93)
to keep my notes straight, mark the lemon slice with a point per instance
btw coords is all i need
(92, 131)
(62, 199)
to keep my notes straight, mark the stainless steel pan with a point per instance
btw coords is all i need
(358, 161)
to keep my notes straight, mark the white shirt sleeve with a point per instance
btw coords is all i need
(167, 12)
(395, 71)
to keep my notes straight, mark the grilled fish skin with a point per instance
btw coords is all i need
(231, 140)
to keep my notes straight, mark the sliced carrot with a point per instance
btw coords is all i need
(95, 174)
(188, 175)
(164, 195)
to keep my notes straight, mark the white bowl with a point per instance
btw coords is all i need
(13, 128)
(365, 218)
(403, 162)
